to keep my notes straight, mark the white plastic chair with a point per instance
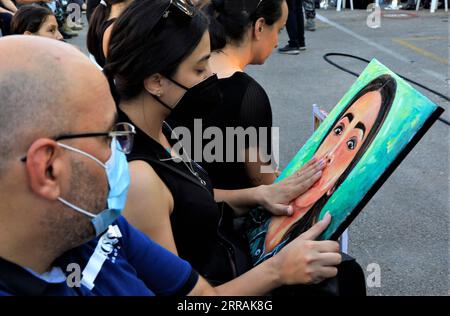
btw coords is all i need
(433, 6)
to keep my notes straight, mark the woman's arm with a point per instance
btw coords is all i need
(275, 197)
(258, 172)
(106, 38)
(148, 208)
(9, 5)
(5, 11)
(149, 205)
(303, 261)
(256, 112)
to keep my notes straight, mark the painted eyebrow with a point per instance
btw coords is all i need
(362, 127)
(349, 116)
(204, 58)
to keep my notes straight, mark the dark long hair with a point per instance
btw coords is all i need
(230, 19)
(29, 18)
(94, 38)
(144, 43)
(387, 86)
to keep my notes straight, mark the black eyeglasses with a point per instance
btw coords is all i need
(184, 6)
(122, 132)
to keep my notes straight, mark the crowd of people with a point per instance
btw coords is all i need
(89, 171)
(42, 11)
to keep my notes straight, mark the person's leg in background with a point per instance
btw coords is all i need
(295, 27)
(310, 12)
(5, 23)
(59, 9)
(411, 5)
(78, 2)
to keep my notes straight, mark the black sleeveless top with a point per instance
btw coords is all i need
(244, 104)
(202, 229)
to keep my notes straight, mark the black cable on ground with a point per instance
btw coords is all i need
(327, 59)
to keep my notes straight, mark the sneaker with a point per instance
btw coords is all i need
(289, 50)
(66, 29)
(310, 25)
(76, 27)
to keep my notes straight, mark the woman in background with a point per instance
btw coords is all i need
(242, 33)
(7, 10)
(100, 26)
(35, 20)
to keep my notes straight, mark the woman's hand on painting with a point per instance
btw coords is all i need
(277, 197)
(306, 261)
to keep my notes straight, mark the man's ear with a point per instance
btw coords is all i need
(153, 85)
(27, 33)
(260, 24)
(45, 167)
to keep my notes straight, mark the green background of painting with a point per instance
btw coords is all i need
(410, 110)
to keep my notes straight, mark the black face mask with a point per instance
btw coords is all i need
(197, 102)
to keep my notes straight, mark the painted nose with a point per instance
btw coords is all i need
(329, 158)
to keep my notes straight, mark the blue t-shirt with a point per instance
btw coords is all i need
(122, 261)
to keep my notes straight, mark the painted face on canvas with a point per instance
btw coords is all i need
(342, 144)
(339, 148)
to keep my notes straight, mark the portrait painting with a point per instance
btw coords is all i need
(363, 140)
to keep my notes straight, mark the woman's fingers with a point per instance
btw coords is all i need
(328, 246)
(307, 172)
(289, 189)
(310, 165)
(330, 258)
(303, 184)
(317, 228)
(311, 170)
(326, 273)
(281, 209)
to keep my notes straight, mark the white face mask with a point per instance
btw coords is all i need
(118, 175)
